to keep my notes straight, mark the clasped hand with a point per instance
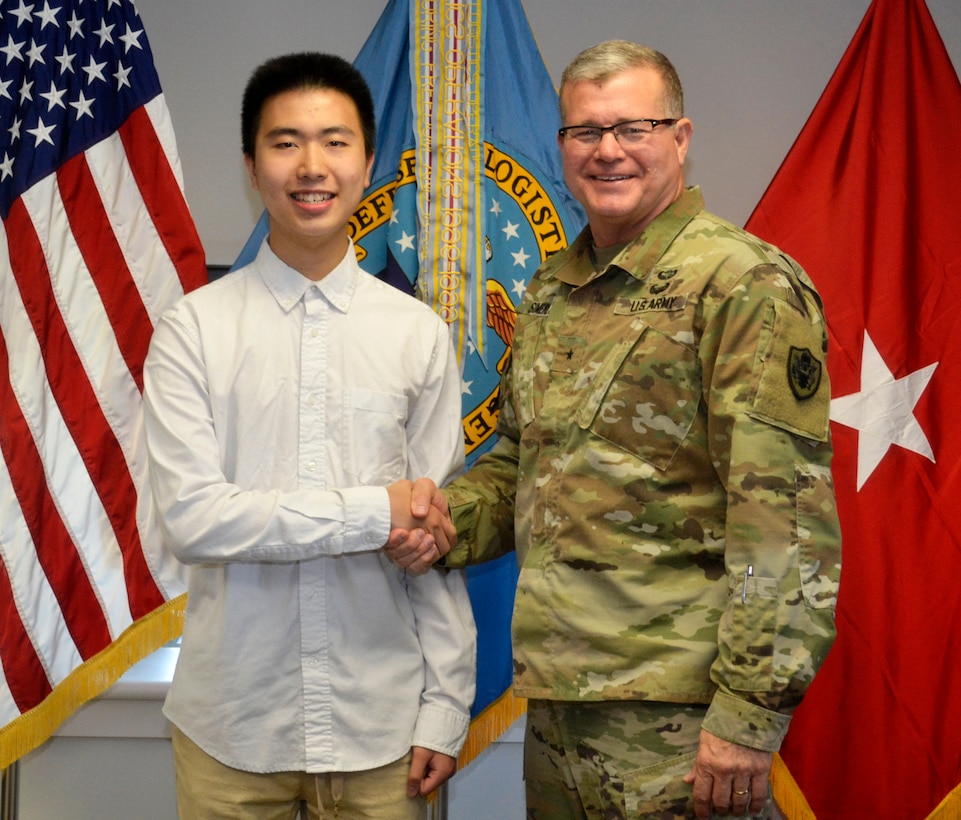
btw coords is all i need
(421, 528)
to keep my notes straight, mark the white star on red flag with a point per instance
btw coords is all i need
(883, 411)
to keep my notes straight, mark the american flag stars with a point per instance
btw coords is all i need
(67, 77)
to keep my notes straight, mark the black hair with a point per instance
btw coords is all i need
(304, 70)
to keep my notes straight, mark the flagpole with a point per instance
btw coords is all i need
(437, 809)
(10, 792)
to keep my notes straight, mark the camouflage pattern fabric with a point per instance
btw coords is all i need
(663, 471)
(612, 760)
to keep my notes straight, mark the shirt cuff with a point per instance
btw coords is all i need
(464, 523)
(440, 729)
(747, 724)
(367, 518)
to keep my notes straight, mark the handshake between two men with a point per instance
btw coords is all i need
(421, 528)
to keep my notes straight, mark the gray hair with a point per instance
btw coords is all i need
(601, 62)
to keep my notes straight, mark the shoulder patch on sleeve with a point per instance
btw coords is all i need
(793, 391)
(803, 372)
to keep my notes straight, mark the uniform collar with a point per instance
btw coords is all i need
(639, 255)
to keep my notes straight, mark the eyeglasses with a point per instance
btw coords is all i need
(631, 132)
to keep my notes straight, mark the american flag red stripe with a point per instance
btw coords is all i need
(161, 192)
(97, 242)
(57, 556)
(25, 677)
(84, 417)
(104, 260)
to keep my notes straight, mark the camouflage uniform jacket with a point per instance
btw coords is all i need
(663, 470)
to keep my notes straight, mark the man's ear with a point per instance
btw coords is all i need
(251, 170)
(370, 167)
(683, 129)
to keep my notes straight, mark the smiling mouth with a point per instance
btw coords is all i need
(614, 178)
(312, 198)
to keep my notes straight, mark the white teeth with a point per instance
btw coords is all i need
(311, 198)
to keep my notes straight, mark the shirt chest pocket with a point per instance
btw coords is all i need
(527, 365)
(644, 397)
(375, 449)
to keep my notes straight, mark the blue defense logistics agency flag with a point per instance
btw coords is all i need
(467, 199)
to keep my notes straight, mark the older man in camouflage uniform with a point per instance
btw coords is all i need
(663, 471)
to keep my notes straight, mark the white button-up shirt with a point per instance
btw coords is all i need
(277, 410)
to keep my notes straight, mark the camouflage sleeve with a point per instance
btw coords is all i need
(764, 357)
(482, 500)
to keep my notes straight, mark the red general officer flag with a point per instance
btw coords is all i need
(866, 201)
(96, 242)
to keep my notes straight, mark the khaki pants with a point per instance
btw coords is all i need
(209, 790)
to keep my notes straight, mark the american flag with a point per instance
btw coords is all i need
(97, 241)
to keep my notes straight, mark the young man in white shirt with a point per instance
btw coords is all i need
(288, 406)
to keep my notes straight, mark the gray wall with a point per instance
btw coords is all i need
(752, 69)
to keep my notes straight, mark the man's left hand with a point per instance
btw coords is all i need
(428, 769)
(728, 778)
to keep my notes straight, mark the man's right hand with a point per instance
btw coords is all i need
(421, 528)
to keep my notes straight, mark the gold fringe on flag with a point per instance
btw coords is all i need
(794, 806)
(25, 733)
(950, 807)
(491, 724)
(787, 793)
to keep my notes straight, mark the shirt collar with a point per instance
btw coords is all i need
(288, 286)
